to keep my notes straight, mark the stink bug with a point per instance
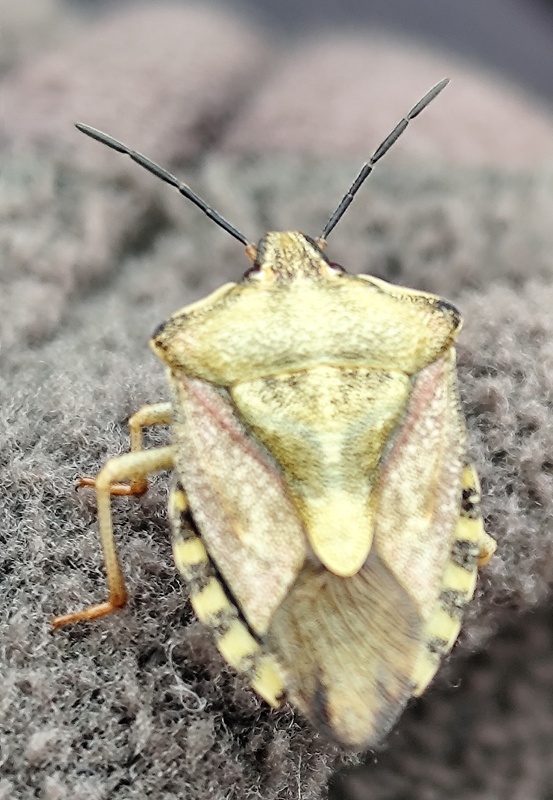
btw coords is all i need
(323, 511)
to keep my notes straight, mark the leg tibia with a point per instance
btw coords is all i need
(129, 466)
(147, 416)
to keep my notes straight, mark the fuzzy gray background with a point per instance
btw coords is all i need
(95, 253)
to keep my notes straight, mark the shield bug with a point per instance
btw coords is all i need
(323, 511)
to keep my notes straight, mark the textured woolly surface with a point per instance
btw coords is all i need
(95, 255)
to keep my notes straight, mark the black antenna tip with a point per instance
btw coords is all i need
(102, 137)
(380, 151)
(165, 176)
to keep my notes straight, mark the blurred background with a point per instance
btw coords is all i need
(80, 248)
(514, 37)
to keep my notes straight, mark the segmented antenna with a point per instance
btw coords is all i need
(381, 150)
(159, 172)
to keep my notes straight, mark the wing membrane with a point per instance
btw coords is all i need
(238, 499)
(419, 485)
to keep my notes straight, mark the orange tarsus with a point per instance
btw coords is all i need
(92, 612)
(132, 489)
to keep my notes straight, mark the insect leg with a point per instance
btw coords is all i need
(155, 414)
(216, 609)
(134, 467)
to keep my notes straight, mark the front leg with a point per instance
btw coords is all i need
(134, 466)
(145, 417)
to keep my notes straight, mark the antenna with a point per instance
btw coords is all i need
(159, 172)
(381, 150)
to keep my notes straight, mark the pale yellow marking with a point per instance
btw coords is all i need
(236, 645)
(459, 579)
(329, 529)
(269, 681)
(188, 553)
(475, 527)
(488, 546)
(442, 626)
(471, 529)
(469, 480)
(424, 671)
(210, 601)
(177, 503)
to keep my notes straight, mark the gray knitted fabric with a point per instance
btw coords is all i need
(96, 254)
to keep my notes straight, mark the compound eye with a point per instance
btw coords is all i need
(158, 330)
(449, 311)
(338, 268)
